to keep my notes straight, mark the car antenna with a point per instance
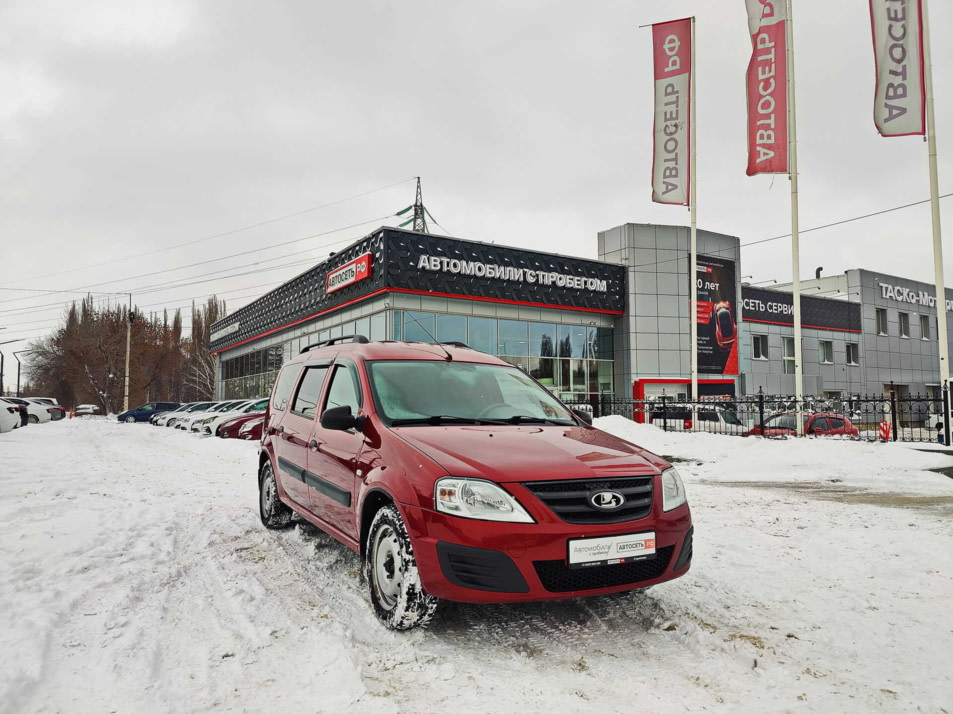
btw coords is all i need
(449, 356)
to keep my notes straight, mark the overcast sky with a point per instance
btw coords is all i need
(128, 127)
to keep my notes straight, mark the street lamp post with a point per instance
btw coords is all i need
(19, 352)
(1, 361)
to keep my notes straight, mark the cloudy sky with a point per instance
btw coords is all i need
(148, 146)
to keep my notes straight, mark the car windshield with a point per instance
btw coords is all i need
(440, 392)
(730, 418)
(784, 421)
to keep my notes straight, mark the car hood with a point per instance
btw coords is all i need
(531, 453)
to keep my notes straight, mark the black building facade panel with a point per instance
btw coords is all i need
(423, 263)
(427, 263)
(777, 308)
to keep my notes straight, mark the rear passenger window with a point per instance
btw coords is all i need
(343, 390)
(284, 385)
(835, 423)
(306, 401)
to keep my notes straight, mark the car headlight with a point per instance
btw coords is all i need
(673, 490)
(472, 498)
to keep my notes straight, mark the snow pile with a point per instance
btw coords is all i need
(136, 577)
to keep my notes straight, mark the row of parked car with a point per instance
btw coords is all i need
(16, 412)
(722, 420)
(233, 419)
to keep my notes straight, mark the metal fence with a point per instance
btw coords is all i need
(883, 417)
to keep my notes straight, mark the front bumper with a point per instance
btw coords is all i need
(474, 561)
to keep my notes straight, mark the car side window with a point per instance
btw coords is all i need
(820, 424)
(284, 385)
(343, 390)
(835, 423)
(306, 400)
(148, 406)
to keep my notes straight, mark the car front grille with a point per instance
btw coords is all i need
(570, 499)
(557, 577)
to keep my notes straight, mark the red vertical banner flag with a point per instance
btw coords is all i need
(671, 156)
(767, 88)
(900, 94)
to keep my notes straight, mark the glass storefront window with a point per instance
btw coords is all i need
(398, 325)
(571, 340)
(542, 340)
(521, 362)
(378, 329)
(543, 370)
(483, 334)
(452, 328)
(419, 326)
(603, 343)
(362, 327)
(572, 376)
(513, 338)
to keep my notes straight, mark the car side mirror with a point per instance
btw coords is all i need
(341, 419)
(584, 415)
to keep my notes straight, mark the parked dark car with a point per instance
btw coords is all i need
(458, 476)
(230, 429)
(821, 424)
(147, 411)
(251, 430)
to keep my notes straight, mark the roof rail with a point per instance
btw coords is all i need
(455, 343)
(358, 339)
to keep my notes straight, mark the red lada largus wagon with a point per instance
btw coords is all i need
(458, 476)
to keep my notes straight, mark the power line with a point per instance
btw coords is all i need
(215, 260)
(226, 233)
(806, 230)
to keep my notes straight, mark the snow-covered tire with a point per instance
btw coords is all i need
(130, 420)
(33, 419)
(274, 514)
(399, 599)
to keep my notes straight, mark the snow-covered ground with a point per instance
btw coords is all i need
(136, 577)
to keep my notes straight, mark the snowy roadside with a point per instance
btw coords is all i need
(136, 577)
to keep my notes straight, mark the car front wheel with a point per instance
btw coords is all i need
(274, 514)
(399, 599)
(130, 420)
(34, 419)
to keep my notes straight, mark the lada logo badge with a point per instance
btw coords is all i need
(606, 500)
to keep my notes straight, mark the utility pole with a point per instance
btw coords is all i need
(420, 220)
(132, 319)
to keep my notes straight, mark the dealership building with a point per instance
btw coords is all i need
(619, 325)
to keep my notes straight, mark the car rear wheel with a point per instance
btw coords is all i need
(274, 514)
(399, 599)
(130, 420)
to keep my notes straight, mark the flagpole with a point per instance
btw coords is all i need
(795, 247)
(941, 331)
(693, 201)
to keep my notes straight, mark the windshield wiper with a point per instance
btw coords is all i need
(438, 419)
(525, 419)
